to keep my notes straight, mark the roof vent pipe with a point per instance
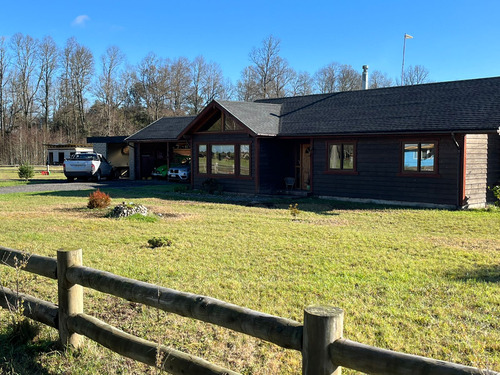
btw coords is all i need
(364, 78)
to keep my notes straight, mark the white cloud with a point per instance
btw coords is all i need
(80, 20)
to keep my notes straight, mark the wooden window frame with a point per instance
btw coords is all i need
(419, 172)
(341, 170)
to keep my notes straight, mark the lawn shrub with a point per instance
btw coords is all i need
(496, 192)
(26, 171)
(98, 199)
(211, 186)
(159, 242)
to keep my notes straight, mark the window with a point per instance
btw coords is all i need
(419, 157)
(245, 160)
(341, 156)
(202, 158)
(224, 159)
(219, 123)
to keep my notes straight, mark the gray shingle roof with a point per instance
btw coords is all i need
(261, 118)
(164, 129)
(471, 105)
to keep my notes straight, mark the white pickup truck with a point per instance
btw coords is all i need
(87, 165)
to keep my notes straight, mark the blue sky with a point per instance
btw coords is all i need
(452, 39)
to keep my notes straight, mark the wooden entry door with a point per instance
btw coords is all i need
(305, 166)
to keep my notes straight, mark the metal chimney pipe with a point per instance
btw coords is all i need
(364, 78)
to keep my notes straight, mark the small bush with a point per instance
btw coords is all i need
(26, 171)
(211, 186)
(22, 331)
(496, 192)
(159, 242)
(181, 189)
(294, 210)
(98, 199)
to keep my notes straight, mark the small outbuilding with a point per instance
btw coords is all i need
(57, 152)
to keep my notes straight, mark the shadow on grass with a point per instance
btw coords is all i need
(130, 189)
(21, 359)
(485, 274)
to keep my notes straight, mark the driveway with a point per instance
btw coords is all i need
(63, 185)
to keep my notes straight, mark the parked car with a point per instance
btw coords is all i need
(160, 172)
(87, 165)
(182, 172)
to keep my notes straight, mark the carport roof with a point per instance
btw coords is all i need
(164, 129)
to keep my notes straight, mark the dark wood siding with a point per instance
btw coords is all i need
(378, 173)
(277, 161)
(229, 183)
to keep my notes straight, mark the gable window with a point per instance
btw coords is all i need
(419, 157)
(219, 123)
(224, 159)
(341, 156)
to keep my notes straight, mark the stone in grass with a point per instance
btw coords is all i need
(128, 209)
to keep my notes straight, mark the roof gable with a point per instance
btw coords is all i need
(261, 119)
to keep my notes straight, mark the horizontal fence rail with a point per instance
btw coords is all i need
(33, 308)
(171, 360)
(37, 264)
(319, 339)
(283, 332)
(376, 361)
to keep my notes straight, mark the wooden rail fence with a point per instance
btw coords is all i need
(319, 339)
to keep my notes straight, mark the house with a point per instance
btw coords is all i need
(434, 144)
(57, 152)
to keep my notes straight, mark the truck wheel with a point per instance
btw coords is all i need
(70, 179)
(98, 176)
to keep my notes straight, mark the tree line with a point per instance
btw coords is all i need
(54, 94)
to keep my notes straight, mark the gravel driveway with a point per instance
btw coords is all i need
(63, 185)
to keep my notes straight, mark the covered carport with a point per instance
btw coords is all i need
(158, 144)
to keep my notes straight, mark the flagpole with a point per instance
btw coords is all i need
(403, 64)
(406, 36)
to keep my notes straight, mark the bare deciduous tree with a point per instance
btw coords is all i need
(247, 87)
(153, 79)
(80, 67)
(378, 80)
(302, 84)
(415, 75)
(325, 79)
(348, 79)
(179, 85)
(49, 56)
(4, 62)
(107, 86)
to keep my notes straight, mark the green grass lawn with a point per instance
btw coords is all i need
(424, 282)
(9, 175)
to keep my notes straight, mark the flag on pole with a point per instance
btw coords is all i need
(408, 36)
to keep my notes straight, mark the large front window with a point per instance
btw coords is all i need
(224, 159)
(419, 157)
(341, 156)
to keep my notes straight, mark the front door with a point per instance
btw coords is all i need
(305, 166)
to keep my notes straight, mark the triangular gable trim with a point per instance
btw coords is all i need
(204, 115)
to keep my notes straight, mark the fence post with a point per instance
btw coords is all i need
(70, 296)
(322, 326)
